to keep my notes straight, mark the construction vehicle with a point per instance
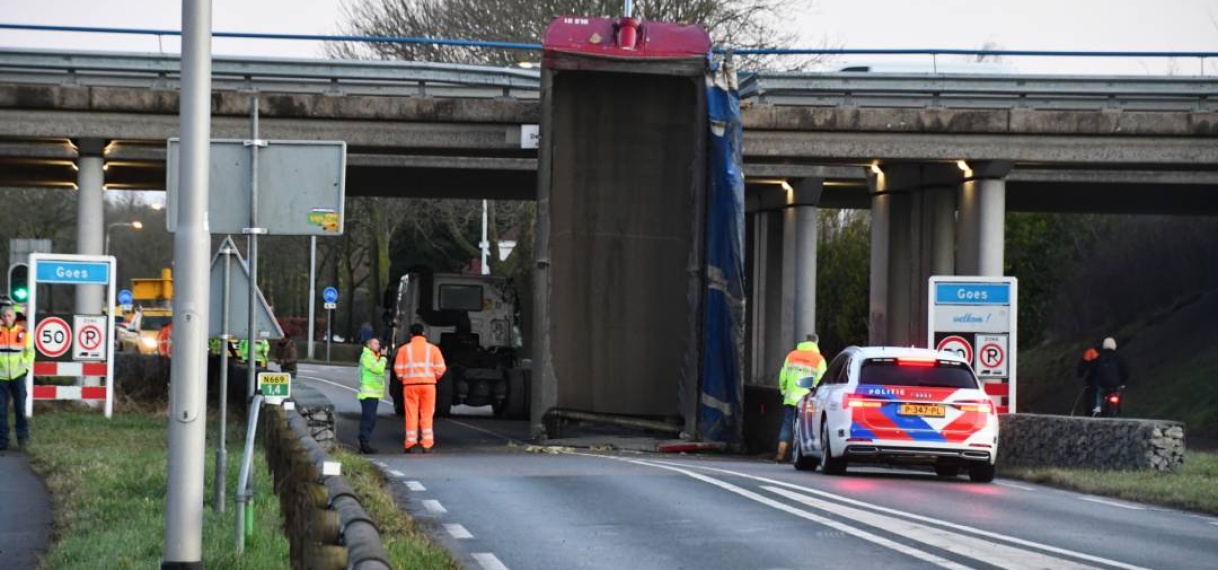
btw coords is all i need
(474, 319)
(153, 301)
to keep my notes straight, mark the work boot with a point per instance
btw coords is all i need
(4, 445)
(23, 443)
(426, 450)
(366, 448)
(782, 452)
(408, 450)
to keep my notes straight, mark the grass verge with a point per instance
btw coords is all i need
(108, 484)
(406, 545)
(1194, 487)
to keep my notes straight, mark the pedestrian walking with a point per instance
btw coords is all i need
(287, 356)
(419, 364)
(16, 356)
(372, 363)
(805, 361)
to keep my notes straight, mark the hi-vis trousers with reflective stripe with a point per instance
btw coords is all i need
(420, 409)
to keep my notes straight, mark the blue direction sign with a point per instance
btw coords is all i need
(329, 295)
(125, 298)
(73, 272)
(961, 293)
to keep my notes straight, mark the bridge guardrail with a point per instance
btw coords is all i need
(331, 77)
(854, 89)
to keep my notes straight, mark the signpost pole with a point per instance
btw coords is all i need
(329, 312)
(253, 231)
(312, 290)
(221, 446)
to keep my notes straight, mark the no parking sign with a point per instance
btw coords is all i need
(975, 318)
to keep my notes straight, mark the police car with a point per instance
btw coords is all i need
(898, 406)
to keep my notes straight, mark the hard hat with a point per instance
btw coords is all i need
(1109, 344)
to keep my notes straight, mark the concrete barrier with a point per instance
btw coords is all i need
(1033, 440)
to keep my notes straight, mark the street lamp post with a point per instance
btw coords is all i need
(135, 225)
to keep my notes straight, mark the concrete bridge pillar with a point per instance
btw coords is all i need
(90, 217)
(804, 200)
(772, 294)
(912, 238)
(983, 198)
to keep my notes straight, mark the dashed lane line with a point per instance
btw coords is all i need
(457, 531)
(488, 561)
(397, 474)
(434, 506)
(415, 486)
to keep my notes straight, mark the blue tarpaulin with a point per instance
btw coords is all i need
(719, 412)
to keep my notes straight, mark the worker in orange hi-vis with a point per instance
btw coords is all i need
(419, 365)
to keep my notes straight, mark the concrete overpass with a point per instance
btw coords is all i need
(920, 150)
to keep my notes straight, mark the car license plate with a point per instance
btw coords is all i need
(932, 410)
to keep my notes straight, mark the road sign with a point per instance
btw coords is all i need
(238, 300)
(301, 187)
(89, 337)
(991, 356)
(52, 337)
(275, 384)
(330, 295)
(125, 298)
(975, 317)
(74, 272)
(329, 306)
(958, 345)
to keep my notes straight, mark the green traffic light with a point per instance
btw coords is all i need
(21, 294)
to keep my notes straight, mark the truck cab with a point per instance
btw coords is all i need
(474, 320)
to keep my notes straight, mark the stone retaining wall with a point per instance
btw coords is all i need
(1033, 440)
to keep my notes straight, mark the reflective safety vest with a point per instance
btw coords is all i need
(213, 345)
(371, 375)
(16, 352)
(263, 350)
(419, 362)
(164, 341)
(802, 362)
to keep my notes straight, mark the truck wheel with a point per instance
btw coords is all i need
(444, 396)
(399, 399)
(517, 401)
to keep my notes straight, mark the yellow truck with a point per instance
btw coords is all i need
(153, 299)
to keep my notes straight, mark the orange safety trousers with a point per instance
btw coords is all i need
(420, 409)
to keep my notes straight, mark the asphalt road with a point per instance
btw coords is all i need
(495, 505)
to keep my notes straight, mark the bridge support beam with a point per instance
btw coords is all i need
(982, 225)
(90, 217)
(805, 197)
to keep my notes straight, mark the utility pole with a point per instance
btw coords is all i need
(187, 428)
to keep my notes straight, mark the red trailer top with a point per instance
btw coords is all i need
(621, 38)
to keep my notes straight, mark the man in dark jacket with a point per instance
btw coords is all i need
(1108, 372)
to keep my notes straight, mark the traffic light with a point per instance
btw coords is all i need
(19, 282)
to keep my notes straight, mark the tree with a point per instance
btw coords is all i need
(738, 23)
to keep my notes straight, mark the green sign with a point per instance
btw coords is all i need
(275, 384)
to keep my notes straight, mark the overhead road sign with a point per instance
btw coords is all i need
(301, 187)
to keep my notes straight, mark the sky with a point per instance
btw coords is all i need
(1115, 25)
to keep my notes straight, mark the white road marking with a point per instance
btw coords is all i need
(488, 561)
(869, 537)
(434, 506)
(983, 551)
(1215, 523)
(415, 486)
(1112, 503)
(397, 474)
(912, 516)
(457, 531)
(1014, 486)
(337, 385)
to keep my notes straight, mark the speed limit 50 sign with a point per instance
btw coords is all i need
(52, 337)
